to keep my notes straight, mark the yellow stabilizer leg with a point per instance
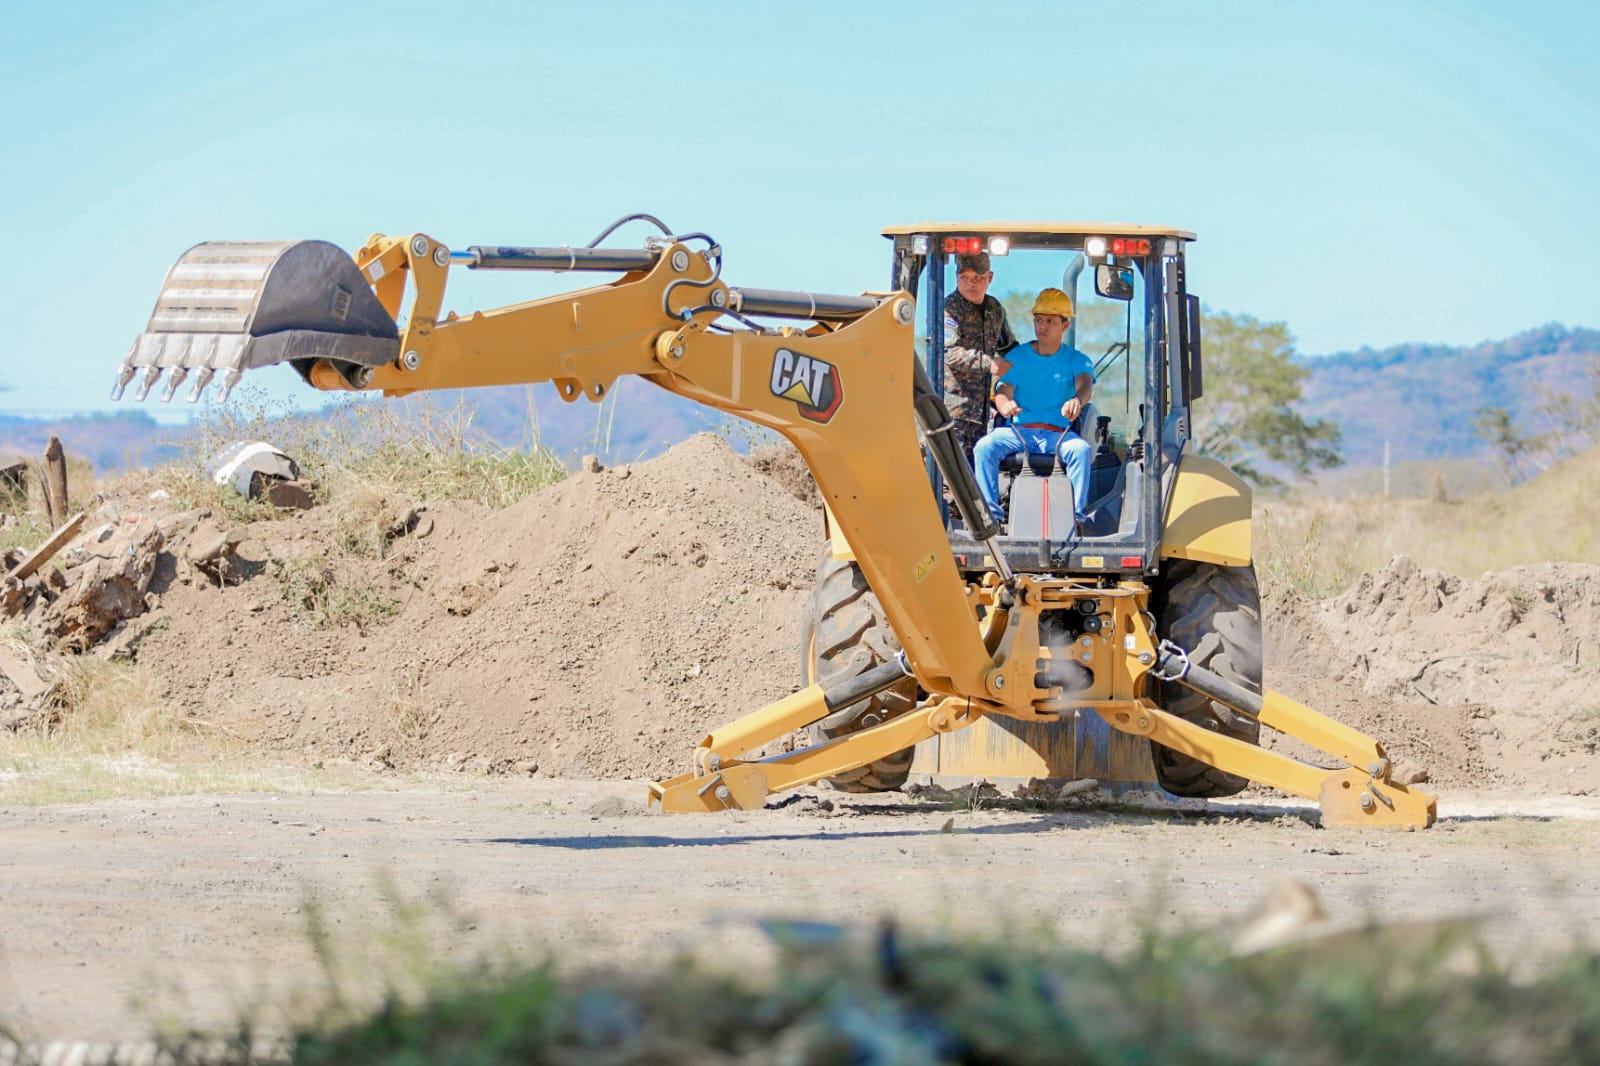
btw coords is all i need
(761, 727)
(1315, 728)
(746, 785)
(1347, 797)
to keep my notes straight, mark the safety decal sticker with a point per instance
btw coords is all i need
(812, 384)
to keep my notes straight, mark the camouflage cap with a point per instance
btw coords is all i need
(978, 264)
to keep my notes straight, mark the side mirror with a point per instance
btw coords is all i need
(1113, 282)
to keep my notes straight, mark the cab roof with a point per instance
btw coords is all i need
(1040, 229)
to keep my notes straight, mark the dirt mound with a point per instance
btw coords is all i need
(599, 627)
(782, 463)
(1488, 681)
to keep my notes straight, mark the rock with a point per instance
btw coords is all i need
(13, 483)
(110, 585)
(1409, 773)
(214, 552)
(289, 493)
(400, 523)
(179, 525)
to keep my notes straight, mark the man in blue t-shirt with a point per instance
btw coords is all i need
(1046, 388)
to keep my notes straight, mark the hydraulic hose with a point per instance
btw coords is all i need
(937, 430)
(868, 684)
(1172, 664)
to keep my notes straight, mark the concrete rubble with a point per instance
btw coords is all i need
(81, 592)
(257, 470)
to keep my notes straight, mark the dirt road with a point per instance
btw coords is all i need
(116, 914)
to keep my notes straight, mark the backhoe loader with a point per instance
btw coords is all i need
(939, 642)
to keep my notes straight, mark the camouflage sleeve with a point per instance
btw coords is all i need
(969, 359)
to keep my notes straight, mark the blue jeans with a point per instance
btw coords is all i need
(1073, 451)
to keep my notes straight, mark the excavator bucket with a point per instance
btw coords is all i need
(231, 306)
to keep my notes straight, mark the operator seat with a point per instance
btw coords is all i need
(1106, 475)
(1042, 463)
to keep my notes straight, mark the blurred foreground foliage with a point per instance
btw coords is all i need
(876, 995)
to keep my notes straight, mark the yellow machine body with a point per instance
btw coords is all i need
(1208, 515)
(843, 388)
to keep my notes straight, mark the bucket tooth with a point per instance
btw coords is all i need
(201, 380)
(151, 376)
(229, 380)
(124, 375)
(174, 379)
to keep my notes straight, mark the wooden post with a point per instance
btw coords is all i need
(55, 482)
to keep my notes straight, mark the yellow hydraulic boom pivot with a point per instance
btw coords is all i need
(845, 389)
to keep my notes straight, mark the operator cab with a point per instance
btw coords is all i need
(1140, 331)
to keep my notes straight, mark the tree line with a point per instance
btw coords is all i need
(1247, 417)
(1568, 423)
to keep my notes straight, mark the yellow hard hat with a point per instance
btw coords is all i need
(1053, 302)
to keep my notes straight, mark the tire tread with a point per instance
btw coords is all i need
(846, 634)
(1214, 612)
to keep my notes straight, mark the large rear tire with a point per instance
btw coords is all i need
(846, 634)
(1214, 613)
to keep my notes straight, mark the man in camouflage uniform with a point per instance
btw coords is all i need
(976, 335)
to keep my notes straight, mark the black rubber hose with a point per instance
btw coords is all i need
(866, 685)
(624, 220)
(937, 429)
(1172, 664)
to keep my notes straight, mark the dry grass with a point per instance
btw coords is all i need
(335, 591)
(418, 449)
(410, 447)
(372, 464)
(106, 707)
(43, 780)
(1582, 727)
(108, 736)
(104, 733)
(408, 710)
(27, 533)
(30, 523)
(1313, 547)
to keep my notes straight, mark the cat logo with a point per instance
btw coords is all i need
(812, 384)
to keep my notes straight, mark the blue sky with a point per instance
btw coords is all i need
(1369, 173)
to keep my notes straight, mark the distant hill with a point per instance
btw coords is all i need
(638, 420)
(1422, 397)
(125, 440)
